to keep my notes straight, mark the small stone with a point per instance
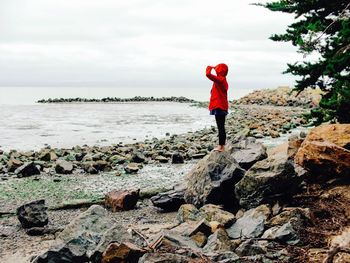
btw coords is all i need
(33, 214)
(138, 157)
(121, 200)
(170, 200)
(27, 169)
(124, 252)
(132, 168)
(63, 167)
(177, 158)
(13, 164)
(161, 159)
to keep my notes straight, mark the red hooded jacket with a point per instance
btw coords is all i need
(218, 98)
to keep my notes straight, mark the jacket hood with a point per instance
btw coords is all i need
(221, 69)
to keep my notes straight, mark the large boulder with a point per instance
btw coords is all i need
(80, 239)
(33, 214)
(93, 220)
(338, 134)
(248, 151)
(326, 151)
(267, 181)
(213, 180)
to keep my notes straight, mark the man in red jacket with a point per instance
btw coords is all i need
(218, 105)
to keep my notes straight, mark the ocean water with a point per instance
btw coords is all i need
(32, 126)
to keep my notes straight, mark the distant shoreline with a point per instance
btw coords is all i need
(115, 99)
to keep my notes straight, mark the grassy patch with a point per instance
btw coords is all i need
(27, 189)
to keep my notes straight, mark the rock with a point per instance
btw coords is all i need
(219, 241)
(202, 226)
(172, 240)
(65, 253)
(284, 234)
(250, 247)
(247, 152)
(212, 180)
(294, 143)
(301, 214)
(95, 221)
(251, 224)
(82, 238)
(33, 214)
(326, 150)
(338, 134)
(267, 181)
(63, 167)
(200, 239)
(188, 212)
(215, 213)
(124, 252)
(163, 258)
(170, 200)
(27, 169)
(117, 233)
(122, 200)
(223, 257)
(177, 158)
(215, 225)
(132, 168)
(101, 165)
(138, 157)
(48, 156)
(324, 159)
(161, 159)
(13, 164)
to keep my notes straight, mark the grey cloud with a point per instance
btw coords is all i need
(138, 42)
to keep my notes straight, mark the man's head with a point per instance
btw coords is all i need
(221, 69)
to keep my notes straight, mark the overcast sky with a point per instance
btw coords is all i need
(143, 43)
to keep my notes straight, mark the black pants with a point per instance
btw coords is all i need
(220, 122)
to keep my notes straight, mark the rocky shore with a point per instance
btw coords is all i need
(289, 203)
(247, 204)
(282, 96)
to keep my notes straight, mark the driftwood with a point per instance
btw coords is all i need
(77, 204)
(9, 213)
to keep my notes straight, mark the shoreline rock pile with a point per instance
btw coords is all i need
(229, 214)
(282, 96)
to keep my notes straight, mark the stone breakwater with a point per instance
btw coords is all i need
(282, 96)
(115, 99)
(247, 204)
